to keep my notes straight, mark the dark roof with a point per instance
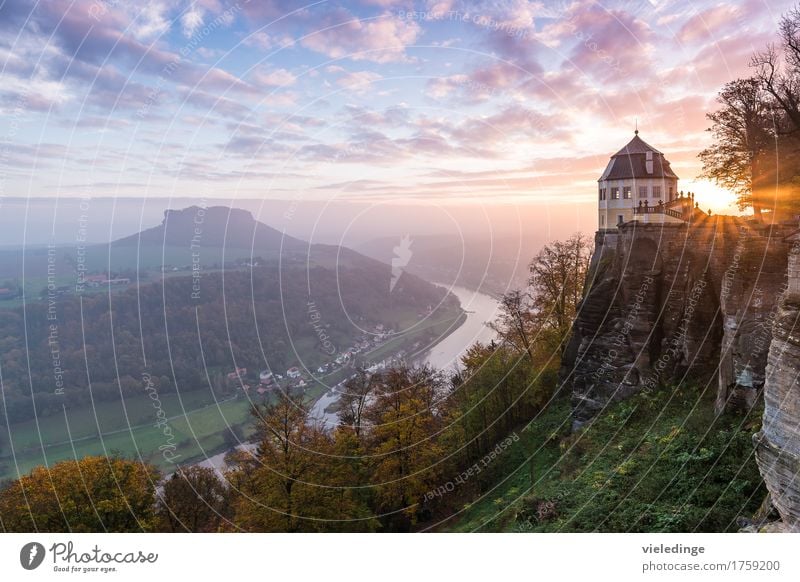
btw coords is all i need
(636, 146)
(631, 162)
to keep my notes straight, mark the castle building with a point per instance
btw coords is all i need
(639, 184)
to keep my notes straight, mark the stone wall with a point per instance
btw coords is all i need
(667, 303)
(778, 443)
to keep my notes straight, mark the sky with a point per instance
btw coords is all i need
(371, 101)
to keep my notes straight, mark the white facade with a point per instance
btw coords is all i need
(637, 181)
(614, 207)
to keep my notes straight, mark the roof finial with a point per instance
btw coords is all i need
(636, 130)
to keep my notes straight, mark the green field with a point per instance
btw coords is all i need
(200, 427)
(203, 424)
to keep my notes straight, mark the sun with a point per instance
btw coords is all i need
(712, 197)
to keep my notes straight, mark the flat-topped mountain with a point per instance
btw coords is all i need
(214, 226)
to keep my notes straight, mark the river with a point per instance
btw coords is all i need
(480, 308)
(445, 355)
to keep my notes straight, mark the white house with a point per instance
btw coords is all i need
(639, 184)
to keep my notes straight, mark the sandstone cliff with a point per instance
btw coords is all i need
(667, 303)
(778, 443)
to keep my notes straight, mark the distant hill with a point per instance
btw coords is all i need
(286, 306)
(215, 226)
(212, 238)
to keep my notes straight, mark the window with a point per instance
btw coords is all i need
(656, 191)
(615, 193)
(671, 193)
(619, 219)
(602, 220)
(642, 191)
(602, 193)
(626, 192)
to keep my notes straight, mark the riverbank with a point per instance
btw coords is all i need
(479, 309)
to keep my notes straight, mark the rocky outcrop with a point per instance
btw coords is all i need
(665, 303)
(778, 442)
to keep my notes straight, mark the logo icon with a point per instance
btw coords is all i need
(31, 555)
(401, 258)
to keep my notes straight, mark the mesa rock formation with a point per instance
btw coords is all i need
(667, 303)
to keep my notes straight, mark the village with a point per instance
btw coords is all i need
(298, 379)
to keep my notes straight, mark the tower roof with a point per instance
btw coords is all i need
(631, 162)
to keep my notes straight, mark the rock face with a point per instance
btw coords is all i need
(778, 443)
(665, 303)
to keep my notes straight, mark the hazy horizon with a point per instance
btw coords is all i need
(51, 220)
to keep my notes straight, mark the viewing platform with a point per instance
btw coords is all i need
(683, 208)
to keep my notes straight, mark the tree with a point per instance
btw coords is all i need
(737, 160)
(353, 401)
(778, 71)
(405, 416)
(499, 390)
(194, 499)
(558, 274)
(93, 494)
(292, 484)
(516, 325)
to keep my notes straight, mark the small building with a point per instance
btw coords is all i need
(237, 374)
(266, 377)
(639, 184)
(293, 372)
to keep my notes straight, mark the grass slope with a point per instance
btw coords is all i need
(660, 462)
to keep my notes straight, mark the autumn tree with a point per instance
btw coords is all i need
(516, 325)
(295, 482)
(498, 390)
(193, 499)
(535, 322)
(738, 159)
(558, 274)
(354, 399)
(778, 71)
(280, 486)
(405, 417)
(93, 494)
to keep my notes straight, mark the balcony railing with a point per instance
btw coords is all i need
(685, 206)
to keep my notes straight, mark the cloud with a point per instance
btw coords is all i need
(610, 44)
(264, 41)
(192, 20)
(717, 21)
(381, 40)
(358, 81)
(495, 79)
(274, 78)
(151, 21)
(211, 103)
(511, 123)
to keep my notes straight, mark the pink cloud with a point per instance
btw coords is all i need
(274, 78)
(380, 40)
(609, 44)
(710, 24)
